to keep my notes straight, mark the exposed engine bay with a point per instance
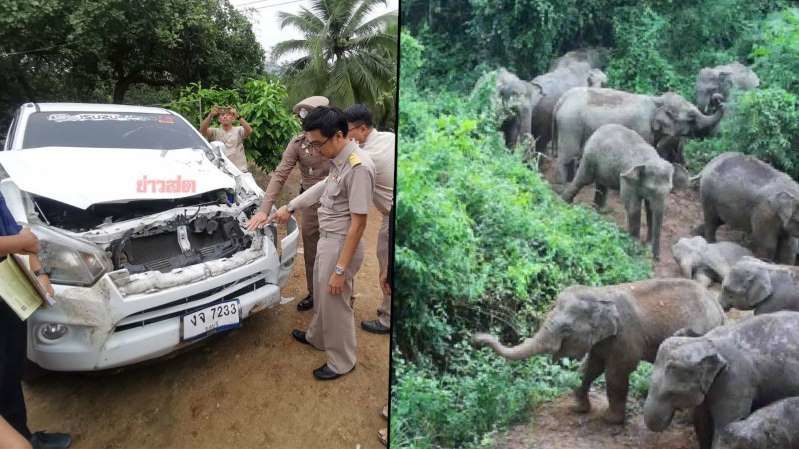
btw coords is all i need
(180, 243)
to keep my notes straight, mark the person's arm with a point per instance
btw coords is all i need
(354, 234)
(287, 162)
(44, 278)
(244, 124)
(23, 243)
(207, 122)
(306, 199)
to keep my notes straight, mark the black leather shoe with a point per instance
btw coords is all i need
(300, 336)
(325, 373)
(375, 327)
(47, 440)
(305, 304)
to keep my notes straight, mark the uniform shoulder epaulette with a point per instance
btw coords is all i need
(354, 160)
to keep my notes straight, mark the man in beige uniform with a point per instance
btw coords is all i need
(380, 147)
(345, 198)
(313, 168)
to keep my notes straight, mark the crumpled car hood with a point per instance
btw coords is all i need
(81, 177)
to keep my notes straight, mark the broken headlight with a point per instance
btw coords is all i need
(70, 261)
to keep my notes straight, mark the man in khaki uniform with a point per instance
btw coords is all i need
(313, 168)
(345, 198)
(380, 147)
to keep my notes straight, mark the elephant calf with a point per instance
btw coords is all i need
(706, 262)
(775, 426)
(764, 287)
(750, 195)
(617, 326)
(725, 374)
(618, 158)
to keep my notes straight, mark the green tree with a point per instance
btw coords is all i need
(342, 55)
(56, 50)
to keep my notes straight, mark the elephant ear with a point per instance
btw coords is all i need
(709, 364)
(786, 206)
(635, 174)
(759, 287)
(662, 122)
(604, 319)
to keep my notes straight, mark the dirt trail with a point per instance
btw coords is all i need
(553, 425)
(249, 388)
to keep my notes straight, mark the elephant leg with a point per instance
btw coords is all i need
(593, 367)
(766, 238)
(703, 426)
(648, 211)
(562, 176)
(632, 206)
(654, 223)
(600, 197)
(712, 221)
(617, 383)
(786, 250)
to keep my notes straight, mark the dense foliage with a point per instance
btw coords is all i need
(61, 50)
(485, 245)
(261, 102)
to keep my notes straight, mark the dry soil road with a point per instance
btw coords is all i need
(249, 388)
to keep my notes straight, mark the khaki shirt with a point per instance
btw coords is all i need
(313, 168)
(234, 144)
(348, 189)
(380, 147)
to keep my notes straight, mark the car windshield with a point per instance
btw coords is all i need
(109, 130)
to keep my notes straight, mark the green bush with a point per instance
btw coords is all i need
(763, 123)
(484, 244)
(261, 102)
(775, 50)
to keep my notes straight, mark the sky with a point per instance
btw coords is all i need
(263, 15)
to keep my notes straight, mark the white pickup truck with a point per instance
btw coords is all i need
(141, 225)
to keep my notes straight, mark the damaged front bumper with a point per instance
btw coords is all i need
(127, 318)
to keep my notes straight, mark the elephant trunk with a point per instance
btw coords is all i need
(687, 267)
(657, 415)
(709, 122)
(530, 346)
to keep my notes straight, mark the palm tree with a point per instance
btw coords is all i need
(343, 56)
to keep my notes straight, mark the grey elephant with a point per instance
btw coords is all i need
(750, 195)
(617, 326)
(582, 110)
(707, 262)
(552, 85)
(618, 158)
(763, 287)
(518, 97)
(725, 374)
(723, 79)
(596, 57)
(775, 426)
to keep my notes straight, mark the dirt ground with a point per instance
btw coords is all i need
(249, 388)
(553, 425)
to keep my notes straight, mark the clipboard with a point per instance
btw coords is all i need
(20, 289)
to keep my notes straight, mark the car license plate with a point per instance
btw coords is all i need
(212, 319)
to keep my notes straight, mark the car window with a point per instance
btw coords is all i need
(109, 130)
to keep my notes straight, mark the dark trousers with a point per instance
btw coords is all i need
(13, 348)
